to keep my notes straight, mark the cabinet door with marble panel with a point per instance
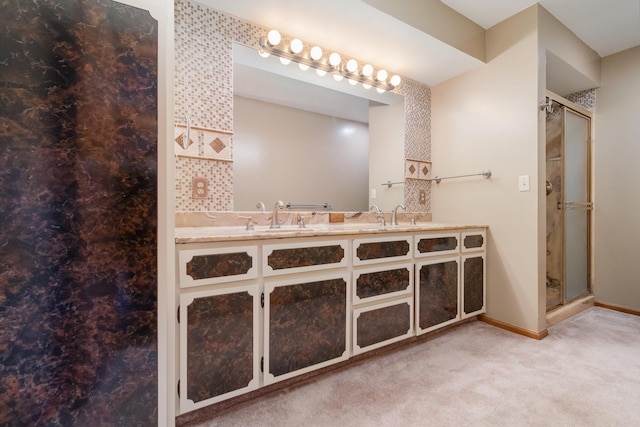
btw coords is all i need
(437, 293)
(219, 345)
(473, 284)
(306, 324)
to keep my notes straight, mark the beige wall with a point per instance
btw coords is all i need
(617, 177)
(487, 119)
(282, 153)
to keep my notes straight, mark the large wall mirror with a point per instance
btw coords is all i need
(308, 139)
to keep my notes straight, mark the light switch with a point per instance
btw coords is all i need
(523, 183)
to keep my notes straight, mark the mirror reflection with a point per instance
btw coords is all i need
(299, 140)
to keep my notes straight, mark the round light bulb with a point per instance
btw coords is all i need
(382, 75)
(303, 67)
(352, 65)
(395, 80)
(285, 61)
(320, 72)
(316, 53)
(367, 70)
(296, 46)
(274, 37)
(366, 85)
(335, 59)
(338, 77)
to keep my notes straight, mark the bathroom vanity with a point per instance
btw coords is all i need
(260, 306)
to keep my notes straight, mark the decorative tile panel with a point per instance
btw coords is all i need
(473, 241)
(219, 265)
(304, 257)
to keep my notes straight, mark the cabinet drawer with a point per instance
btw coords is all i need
(435, 244)
(375, 250)
(382, 324)
(473, 240)
(376, 283)
(301, 257)
(197, 267)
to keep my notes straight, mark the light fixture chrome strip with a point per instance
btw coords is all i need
(272, 44)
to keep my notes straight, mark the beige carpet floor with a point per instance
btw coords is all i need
(585, 373)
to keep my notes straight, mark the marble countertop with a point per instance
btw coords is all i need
(233, 233)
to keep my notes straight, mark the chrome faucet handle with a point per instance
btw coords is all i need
(301, 222)
(249, 222)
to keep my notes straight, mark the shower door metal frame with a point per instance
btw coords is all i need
(588, 115)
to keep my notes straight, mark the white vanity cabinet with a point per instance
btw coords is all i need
(450, 277)
(219, 323)
(382, 291)
(306, 306)
(256, 311)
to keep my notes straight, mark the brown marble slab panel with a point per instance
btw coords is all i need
(383, 324)
(437, 244)
(473, 241)
(307, 324)
(378, 250)
(473, 284)
(219, 265)
(438, 293)
(382, 282)
(281, 259)
(78, 214)
(219, 345)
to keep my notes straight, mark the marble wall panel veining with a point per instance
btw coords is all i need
(78, 214)
(204, 40)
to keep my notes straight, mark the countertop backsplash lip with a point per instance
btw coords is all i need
(200, 227)
(286, 217)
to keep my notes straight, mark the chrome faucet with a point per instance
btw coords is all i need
(394, 214)
(260, 207)
(378, 214)
(274, 218)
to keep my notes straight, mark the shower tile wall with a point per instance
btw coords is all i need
(78, 214)
(204, 90)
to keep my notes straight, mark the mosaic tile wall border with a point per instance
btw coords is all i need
(204, 89)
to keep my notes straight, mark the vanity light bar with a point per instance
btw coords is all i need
(333, 63)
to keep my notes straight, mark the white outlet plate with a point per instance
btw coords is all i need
(523, 183)
(373, 193)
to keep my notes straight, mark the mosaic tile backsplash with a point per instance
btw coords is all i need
(204, 89)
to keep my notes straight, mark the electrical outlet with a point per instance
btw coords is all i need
(199, 188)
(423, 197)
(373, 193)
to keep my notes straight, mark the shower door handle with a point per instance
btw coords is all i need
(575, 206)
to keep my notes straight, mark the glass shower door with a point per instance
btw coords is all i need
(576, 205)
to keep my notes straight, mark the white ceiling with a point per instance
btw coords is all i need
(357, 29)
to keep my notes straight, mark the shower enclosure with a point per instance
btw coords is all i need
(569, 206)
